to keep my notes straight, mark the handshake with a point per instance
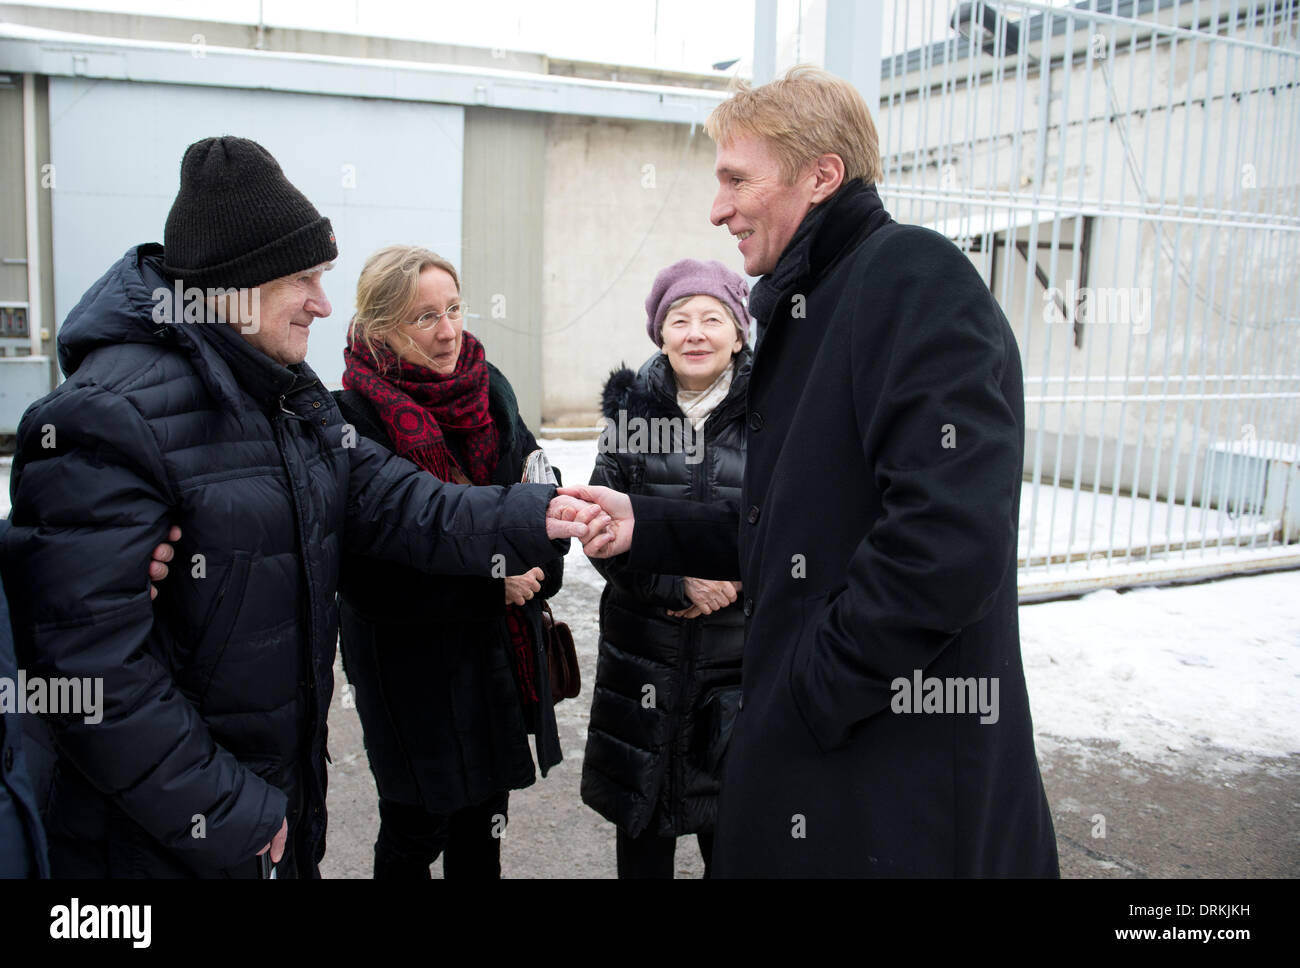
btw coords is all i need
(599, 517)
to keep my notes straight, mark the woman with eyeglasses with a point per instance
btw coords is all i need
(448, 672)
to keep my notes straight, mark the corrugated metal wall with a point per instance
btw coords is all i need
(13, 230)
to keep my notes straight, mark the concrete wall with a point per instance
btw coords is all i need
(622, 201)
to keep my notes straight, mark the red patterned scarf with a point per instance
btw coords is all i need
(419, 407)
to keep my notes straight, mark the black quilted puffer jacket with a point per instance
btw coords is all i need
(214, 696)
(648, 763)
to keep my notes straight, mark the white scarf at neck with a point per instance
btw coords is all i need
(698, 404)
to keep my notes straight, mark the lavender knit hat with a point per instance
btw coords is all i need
(691, 277)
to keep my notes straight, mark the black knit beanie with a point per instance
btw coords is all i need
(237, 222)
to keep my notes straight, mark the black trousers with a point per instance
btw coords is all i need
(651, 856)
(469, 840)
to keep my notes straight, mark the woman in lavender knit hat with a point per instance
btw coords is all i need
(668, 674)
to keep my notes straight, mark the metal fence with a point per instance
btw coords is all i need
(1125, 176)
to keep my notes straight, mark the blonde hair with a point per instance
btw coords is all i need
(387, 290)
(807, 113)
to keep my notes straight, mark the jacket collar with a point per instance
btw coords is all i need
(210, 345)
(130, 303)
(652, 391)
(265, 380)
(827, 232)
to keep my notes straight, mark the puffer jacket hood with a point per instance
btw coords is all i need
(122, 308)
(117, 309)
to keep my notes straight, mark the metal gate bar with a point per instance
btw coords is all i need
(1123, 157)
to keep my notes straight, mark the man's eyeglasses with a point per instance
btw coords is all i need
(430, 319)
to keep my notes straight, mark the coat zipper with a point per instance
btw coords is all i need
(282, 434)
(309, 673)
(700, 475)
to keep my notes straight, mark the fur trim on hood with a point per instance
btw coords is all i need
(652, 392)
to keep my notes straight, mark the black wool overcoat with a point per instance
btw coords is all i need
(876, 539)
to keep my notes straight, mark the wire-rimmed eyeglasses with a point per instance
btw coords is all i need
(430, 319)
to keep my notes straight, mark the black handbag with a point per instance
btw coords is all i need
(561, 657)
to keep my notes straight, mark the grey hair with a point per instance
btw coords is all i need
(678, 303)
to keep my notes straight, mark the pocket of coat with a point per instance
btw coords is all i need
(813, 610)
(221, 618)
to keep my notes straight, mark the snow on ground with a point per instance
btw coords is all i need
(1196, 674)
(1206, 674)
(574, 458)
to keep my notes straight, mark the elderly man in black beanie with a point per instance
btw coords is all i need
(188, 403)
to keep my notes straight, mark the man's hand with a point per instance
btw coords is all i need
(520, 588)
(616, 539)
(161, 555)
(706, 597)
(276, 846)
(570, 518)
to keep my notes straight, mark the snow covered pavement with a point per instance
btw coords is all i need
(1205, 675)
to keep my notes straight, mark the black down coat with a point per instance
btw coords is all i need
(430, 656)
(22, 837)
(214, 697)
(647, 762)
(877, 542)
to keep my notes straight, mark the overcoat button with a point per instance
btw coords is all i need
(749, 607)
(753, 514)
(755, 421)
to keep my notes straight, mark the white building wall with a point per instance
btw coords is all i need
(383, 171)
